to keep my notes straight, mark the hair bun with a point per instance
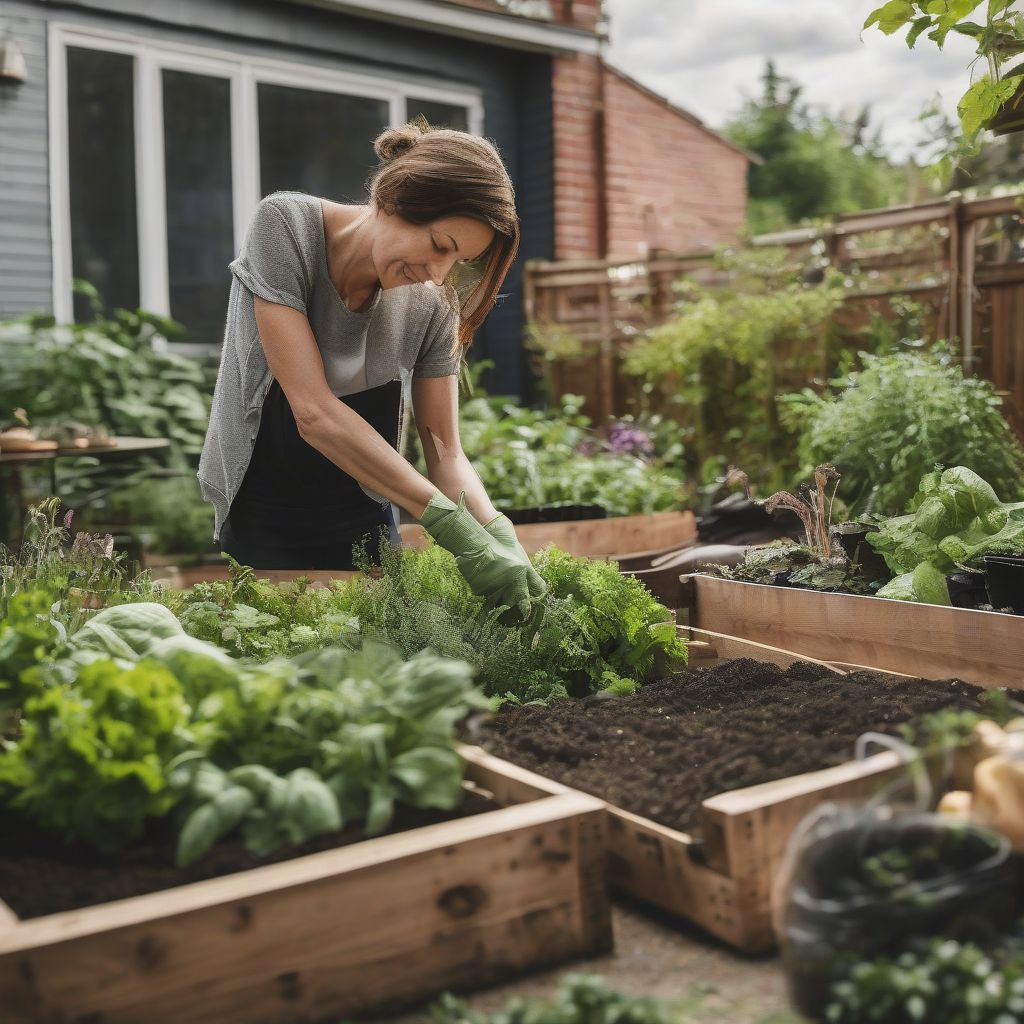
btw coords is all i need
(395, 142)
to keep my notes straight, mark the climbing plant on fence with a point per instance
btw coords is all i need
(716, 365)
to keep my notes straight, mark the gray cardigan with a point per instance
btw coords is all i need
(410, 331)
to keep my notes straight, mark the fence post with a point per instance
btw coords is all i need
(954, 223)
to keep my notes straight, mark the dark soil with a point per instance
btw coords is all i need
(40, 875)
(663, 750)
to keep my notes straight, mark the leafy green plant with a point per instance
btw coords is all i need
(892, 422)
(526, 458)
(255, 619)
(717, 363)
(599, 628)
(28, 634)
(48, 559)
(948, 729)
(116, 372)
(949, 981)
(956, 519)
(273, 811)
(582, 999)
(91, 759)
(999, 38)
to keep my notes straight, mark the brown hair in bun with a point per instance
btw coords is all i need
(428, 173)
(396, 142)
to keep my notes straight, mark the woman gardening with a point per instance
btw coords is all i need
(331, 308)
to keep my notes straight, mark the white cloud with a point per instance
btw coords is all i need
(706, 55)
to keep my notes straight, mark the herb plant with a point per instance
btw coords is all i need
(582, 999)
(598, 629)
(255, 619)
(889, 424)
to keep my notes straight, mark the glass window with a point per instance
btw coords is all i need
(101, 163)
(439, 115)
(200, 232)
(317, 142)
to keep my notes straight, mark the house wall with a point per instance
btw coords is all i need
(517, 116)
(669, 183)
(25, 255)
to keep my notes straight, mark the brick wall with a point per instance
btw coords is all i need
(574, 94)
(669, 182)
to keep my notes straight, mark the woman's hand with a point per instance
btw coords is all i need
(493, 571)
(502, 530)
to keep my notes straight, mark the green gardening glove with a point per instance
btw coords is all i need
(502, 530)
(492, 571)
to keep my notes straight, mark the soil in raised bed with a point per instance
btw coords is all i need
(39, 874)
(663, 750)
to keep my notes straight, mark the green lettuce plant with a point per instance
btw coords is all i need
(91, 759)
(956, 519)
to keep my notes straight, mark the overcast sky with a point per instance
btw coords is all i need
(705, 55)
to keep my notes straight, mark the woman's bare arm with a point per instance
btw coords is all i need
(330, 426)
(435, 403)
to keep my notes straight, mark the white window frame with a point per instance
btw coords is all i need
(245, 72)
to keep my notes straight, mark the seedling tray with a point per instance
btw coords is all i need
(365, 929)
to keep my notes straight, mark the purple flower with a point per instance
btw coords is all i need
(68, 516)
(628, 439)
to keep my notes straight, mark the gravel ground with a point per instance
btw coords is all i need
(659, 956)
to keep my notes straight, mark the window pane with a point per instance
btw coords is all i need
(439, 115)
(200, 235)
(317, 142)
(101, 159)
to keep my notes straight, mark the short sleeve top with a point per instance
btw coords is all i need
(409, 331)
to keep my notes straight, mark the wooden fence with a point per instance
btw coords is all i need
(963, 260)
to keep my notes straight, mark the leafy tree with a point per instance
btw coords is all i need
(814, 165)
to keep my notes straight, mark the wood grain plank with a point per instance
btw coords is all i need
(985, 648)
(400, 922)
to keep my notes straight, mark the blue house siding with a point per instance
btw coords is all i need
(515, 88)
(25, 252)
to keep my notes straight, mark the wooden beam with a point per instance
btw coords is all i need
(984, 648)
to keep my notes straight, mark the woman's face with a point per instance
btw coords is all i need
(405, 253)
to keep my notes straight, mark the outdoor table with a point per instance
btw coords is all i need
(122, 447)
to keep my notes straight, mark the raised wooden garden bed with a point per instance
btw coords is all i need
(363, 929)
(984, 648)
(723, 882)
(720, 876)
(598, 538)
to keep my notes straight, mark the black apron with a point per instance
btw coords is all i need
(296, 509)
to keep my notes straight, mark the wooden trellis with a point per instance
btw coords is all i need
(962, 259)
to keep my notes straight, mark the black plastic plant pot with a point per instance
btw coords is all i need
(967, 589)
(555, 513)
(853, 538)
(965, 887)
(1005, 580)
